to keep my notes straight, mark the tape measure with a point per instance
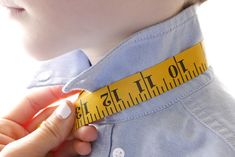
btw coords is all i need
(141, 86)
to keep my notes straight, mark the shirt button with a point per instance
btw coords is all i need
(44, 76)
(118, 152)
(81, 81)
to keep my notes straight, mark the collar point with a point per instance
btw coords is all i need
(70, 87)
(66, 89)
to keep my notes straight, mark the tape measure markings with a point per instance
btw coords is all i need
(141, 86)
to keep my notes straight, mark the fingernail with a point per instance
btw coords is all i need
(63, 111)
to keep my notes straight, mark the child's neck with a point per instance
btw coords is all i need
(106, 42)
(96, 53)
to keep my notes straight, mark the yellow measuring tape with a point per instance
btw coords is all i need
(141, 86)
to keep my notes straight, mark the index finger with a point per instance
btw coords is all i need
(36, 100)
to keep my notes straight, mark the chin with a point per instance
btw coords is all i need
(39, 53)
(42, 55)
(39, 56)
(43, 51)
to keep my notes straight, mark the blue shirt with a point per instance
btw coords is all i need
(196, 119)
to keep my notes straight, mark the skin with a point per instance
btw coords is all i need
(54, 27)
(20, 123)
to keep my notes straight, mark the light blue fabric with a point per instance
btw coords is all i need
(60, 69)
(196, 119)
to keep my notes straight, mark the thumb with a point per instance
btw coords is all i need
(51, 133)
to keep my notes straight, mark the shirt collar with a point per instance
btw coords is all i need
(141, 50)
(60, 70)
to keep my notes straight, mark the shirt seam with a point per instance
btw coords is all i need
(224, 139)
(163, 33)
(111, 139)
(132, 40)
(166, 106)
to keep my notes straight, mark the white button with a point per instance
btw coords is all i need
(81, 81)
(44, 76)
(118, 152)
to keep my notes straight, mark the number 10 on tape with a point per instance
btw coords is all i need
(140, 86)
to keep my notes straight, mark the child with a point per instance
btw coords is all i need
(119, 39)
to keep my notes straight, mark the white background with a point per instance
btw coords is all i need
(217, 23)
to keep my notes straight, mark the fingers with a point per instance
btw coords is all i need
(65, 150)
(73, 148)
(37, 120)
(80, 145)
(51, 133)
(12, 129)
(86, 133)
(82, 148)
(36, 100)
(4, 140)
(56, 128)
(1, 147)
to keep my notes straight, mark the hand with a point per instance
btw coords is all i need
(18, 133)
